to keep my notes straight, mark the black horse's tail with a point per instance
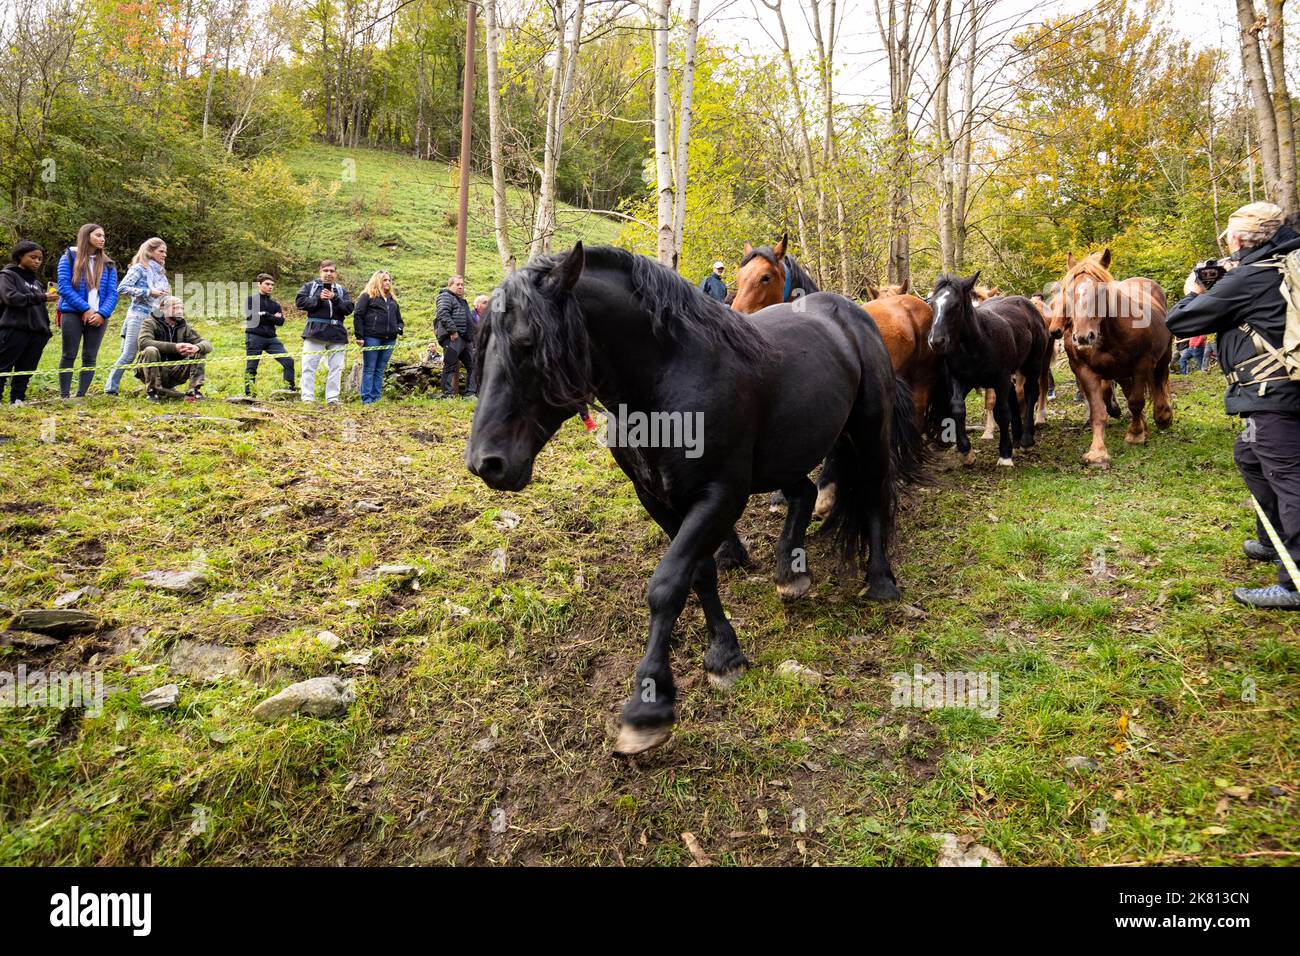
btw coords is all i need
(909, 455)
(873, 461)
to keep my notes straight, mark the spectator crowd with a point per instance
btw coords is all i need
(167, 354)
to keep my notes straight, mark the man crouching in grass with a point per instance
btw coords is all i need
(166, 342)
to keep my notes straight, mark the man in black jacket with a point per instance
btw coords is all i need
(455, 328)
(262, 316)
(1249, 298)
(327, 304)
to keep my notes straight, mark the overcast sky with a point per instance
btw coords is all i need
(862, 73)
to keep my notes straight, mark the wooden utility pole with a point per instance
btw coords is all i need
(466, 128)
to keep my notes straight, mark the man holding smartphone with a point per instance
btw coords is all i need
(327, 304)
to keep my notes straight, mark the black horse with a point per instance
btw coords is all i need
(774, 395)
(984, 347)
(767, 276)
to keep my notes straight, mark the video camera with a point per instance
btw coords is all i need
(1209, 272)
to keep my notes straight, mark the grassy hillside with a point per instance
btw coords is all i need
(487, 695)
(378, 210)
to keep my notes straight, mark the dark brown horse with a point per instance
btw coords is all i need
(984, 348)
(1115, 331)
(981, 295)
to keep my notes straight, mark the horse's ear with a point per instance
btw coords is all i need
(748, 248)
(779, 248)
(973, 281)
(569, 269)
(905, 285)
(994, 292)
(1105, 259)
(1069, 260)
(873, 293)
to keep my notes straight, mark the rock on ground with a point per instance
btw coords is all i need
(318, 697)
(805, 675)
(178, 582)
(203, 661)
(964, 851)
(161, 698)
(61, 622)
(74, 597)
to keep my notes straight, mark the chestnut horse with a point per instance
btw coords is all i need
(769, 276)
(904, 322)
(1117, 332)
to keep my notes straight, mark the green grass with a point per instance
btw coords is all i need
(504, 714)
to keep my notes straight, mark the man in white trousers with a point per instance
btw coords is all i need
(327, 304)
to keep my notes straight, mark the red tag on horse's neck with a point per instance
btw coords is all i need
(589, 422)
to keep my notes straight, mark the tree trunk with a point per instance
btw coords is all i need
(1261, 100)
(807, 162)
(566, 62)
(941, 45)
(684, 131)
(1282, 109)
(499, 221)
(961, 196)
(896, 35)
(666, 243)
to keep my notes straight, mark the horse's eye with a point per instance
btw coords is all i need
(767, 278)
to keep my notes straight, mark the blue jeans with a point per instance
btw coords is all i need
(1192, 356)
(373, 366)
(130, 342)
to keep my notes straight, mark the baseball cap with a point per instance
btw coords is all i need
(719, 265)
(1258, 217)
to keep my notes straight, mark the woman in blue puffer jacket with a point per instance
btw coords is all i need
(87, 297)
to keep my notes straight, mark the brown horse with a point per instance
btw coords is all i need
(1116, 332)
(904, 322)
(767, 276)
(1057, 325)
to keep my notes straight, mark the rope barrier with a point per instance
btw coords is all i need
(191, 360)
(1285, 556)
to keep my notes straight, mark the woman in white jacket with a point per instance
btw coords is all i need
(146, 284)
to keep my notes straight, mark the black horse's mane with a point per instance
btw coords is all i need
(798, 275)
(561, 348)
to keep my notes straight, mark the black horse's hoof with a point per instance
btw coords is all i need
(795, 588)
(726, 682)
(884, 591)
(638, 740)
(731, 556)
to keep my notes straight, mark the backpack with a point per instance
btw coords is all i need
(1271, 364)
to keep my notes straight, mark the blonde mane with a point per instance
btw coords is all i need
(1089, 267)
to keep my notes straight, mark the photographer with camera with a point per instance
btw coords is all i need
(1244, 301)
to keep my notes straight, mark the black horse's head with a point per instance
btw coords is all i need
(534, 370)
(952, 304)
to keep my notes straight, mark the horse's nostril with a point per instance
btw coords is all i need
(490, 468)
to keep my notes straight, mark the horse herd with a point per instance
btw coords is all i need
(785, 379)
